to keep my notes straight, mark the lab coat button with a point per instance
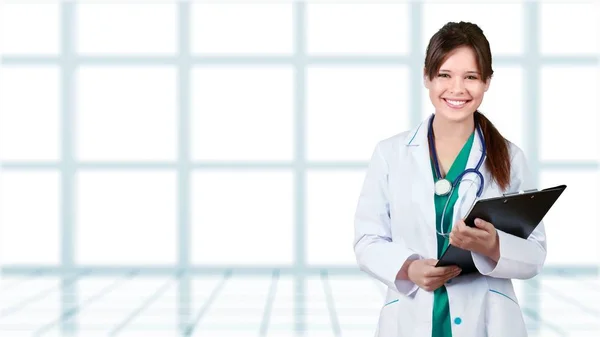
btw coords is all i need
(457, 320)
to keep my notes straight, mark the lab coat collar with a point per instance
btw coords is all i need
(418, 135)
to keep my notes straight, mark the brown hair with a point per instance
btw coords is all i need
(466, 34)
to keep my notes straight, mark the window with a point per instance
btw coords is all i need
(126, 114)
(242, 218)
(31, 29)
(134, 29)
(30, 218)
(30, 113)
(256, 125)
(357, 29)
(349, 109)
(244, 28)
(126, 218)
(569, 113)
(200, 136)
(331, 197)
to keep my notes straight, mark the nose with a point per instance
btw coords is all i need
(457, 86)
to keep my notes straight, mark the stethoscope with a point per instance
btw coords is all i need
(443, 186)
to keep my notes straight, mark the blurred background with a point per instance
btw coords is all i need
(191, 168)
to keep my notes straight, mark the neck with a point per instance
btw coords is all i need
(447, 130)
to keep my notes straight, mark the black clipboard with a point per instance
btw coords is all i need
(515, 213)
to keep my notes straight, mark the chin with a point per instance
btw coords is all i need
(456, 115)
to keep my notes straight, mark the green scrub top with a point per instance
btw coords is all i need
(441, 323)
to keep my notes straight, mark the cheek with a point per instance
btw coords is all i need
(476, 91)
(435, 91)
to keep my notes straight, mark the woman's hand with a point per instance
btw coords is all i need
(483, 239)
(427, 276)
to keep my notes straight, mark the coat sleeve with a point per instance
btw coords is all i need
(519, 258)
(376, 253)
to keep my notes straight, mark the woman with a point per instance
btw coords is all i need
(408, 213)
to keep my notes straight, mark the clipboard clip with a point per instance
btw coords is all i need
(520, 192)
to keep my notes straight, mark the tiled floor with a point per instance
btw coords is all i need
(242, 305)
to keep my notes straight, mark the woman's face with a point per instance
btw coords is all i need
(457, 90)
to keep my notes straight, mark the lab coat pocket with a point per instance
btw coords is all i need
(388, 320)
(503, 315)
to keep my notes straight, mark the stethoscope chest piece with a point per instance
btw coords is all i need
(442, 187)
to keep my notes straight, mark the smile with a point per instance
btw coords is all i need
(456, 104)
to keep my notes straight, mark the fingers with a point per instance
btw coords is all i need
(484, 225)
(433, 283)
(441, 271)
(430, 262)
(456, 239)
(453, 275)
(462, 232)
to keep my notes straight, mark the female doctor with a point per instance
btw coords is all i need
(419, 185)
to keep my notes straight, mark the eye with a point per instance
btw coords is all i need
(443, 75)
(471, 77)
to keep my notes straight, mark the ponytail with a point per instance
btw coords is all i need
(498, 158)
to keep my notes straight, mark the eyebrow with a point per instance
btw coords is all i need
(468, 72)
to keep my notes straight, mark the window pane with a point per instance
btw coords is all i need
(333, 28)
(30, 237)
(242, 218)
(29, 128)
(503, 103)
(350, 109)
(32, 28)
(569, 113)
(265, 28)
(493, 19)
(242, 113)
(577, 32)
(133, 213)
(331, 203)
(572, 223)
(127, 114)
(126, 28)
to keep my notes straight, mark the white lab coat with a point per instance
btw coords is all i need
(395, 221)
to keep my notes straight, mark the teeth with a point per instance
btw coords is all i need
(456, 103)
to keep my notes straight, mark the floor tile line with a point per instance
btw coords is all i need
(37, 297)
(264, 326)
(155, 296)
(535, 316)
(32, 276)
(335, 323)
(207, 304)
(564, 298)
(74, 311)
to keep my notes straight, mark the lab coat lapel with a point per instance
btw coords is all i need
(423, 184)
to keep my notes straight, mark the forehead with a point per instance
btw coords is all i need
(460, 59)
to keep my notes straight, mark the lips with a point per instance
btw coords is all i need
(456, 104)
